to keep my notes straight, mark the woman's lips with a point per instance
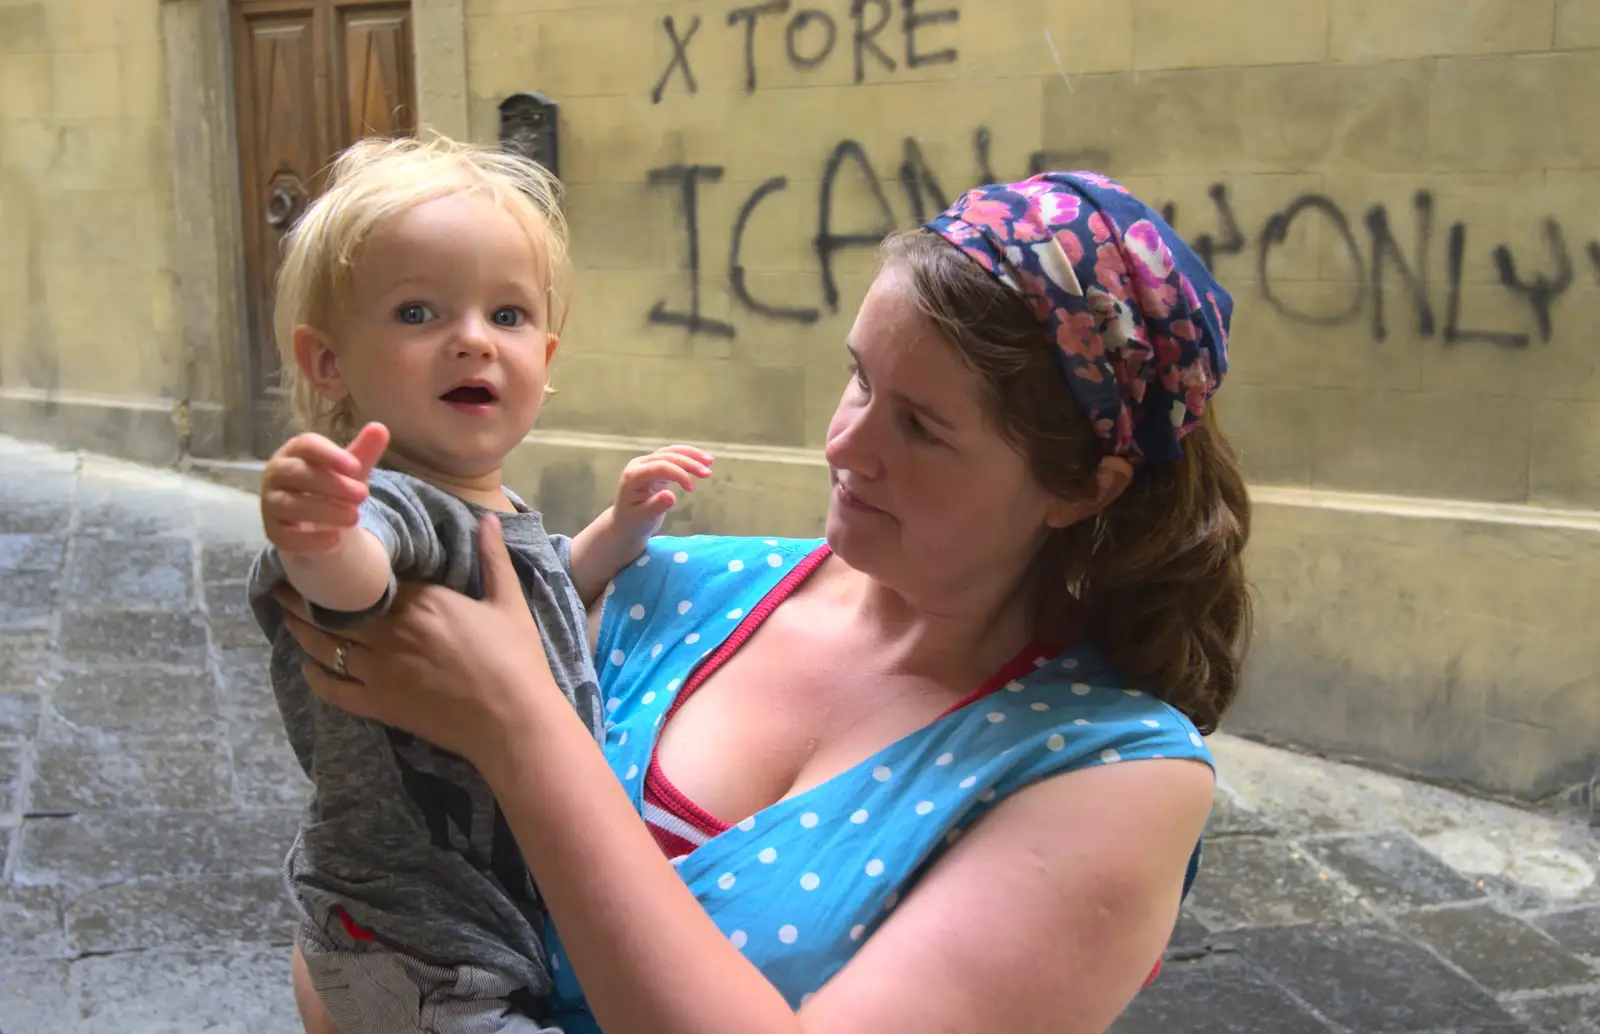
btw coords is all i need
(853, 502)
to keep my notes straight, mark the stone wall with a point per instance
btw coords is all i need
(90, 351)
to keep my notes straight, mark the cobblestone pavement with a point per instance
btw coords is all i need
(147, 795)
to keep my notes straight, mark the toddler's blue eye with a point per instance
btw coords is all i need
(413, 313)
(507, 317)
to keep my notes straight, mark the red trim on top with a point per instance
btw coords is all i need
(669, 798)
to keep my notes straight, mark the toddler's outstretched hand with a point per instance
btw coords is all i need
(643, 495)
(312, 489)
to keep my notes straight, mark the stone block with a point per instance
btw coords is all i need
(1231, 816)
(19, 716)
(814, 122)
(122, 574)
(143, 82)
(97, 24)
(31, 553)
(88, 84)
(169, 991)
(136, 701)
(1173, 34)
(635, 228)
(13, 781)
(1496, 113)
(1501, 953)
(617, 139)
(1264, 881)
(27, 87)
(232, 621)
(226, 563)
(1394, 871)
(97, 849)
(1559, 1014)
(208, 912)
(503, 55)
(608, 393)
(1214, 996)
(38, 505)
(25, 657)
(243, 688)
(28, 599)
(124, 505)
(601, 52)
(30, 925)
(22, 29)
(1578, 930)
(1365, 978)
(1272, 428)
(266, 772)
(1521, 364)
(732, 401)
(89, 771)
(118, 638)
(1577, 24)
(1381, 30)
(34, 996)
(1410, 443)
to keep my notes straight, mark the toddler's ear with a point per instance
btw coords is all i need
(319, 365)
(552, 342)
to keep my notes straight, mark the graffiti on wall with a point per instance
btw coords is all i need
(1392, 261)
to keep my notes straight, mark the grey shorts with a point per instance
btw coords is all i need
(370, 989)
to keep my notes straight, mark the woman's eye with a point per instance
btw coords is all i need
(414, 313)
(507, 317)
(920, 430)
(860, 378)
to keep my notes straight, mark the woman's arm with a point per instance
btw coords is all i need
(1045, 917)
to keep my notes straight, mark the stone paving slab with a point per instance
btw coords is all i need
(147, 796)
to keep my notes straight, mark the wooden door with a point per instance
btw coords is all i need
(311, 78)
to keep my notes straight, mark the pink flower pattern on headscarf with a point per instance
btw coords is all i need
(1141, 336)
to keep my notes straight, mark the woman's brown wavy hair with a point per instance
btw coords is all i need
(1158, 579)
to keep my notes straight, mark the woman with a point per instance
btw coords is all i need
(943, 769)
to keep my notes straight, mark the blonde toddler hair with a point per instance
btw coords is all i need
(376, 180)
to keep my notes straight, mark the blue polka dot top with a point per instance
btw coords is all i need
(799, 886)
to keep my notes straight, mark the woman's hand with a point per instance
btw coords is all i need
(458, 672)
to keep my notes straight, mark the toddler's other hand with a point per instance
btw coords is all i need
(643, 495)
(312, 489)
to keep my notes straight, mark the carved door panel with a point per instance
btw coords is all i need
(310, 78)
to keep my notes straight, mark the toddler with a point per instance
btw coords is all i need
(417, 313)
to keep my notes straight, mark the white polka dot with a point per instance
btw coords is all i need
(1152, 723)
(810, 881)
(736, 565)
(617, 656)
(805, 999)
(987, 795)
(923, 807)
(659, 718)
(1080, 689)
(555, 962)
(788, 934)
(770, 542)
(944, 759)
(738, 939)
(809, 820)
(613, 704)
(704, 654)
(969, 782)
(1039, 662)
(774, 560)
(1013, 687)
(1070, 663)
(622, 740)
(1039, 705)
(692, 638)
(678, 861)
(1056, 741)
(727, 880)
(684, 605)
(1081, 721)
(1110, 756)
(747, 824)
(636, 611)
(857, 932)
(672, 687)
(858, 816)
(875, 867)
(1195, 739)
(648, 698)
(882, 773)
(735, 614)
(611, 587)
(1133, 692)
(680, 558)
(633, 772)
(995, 717)
(892, 900)
(642, 560)
(1158, 756)
(768, 855)
(655, 651)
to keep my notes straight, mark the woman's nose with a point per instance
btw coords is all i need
(851, 443)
